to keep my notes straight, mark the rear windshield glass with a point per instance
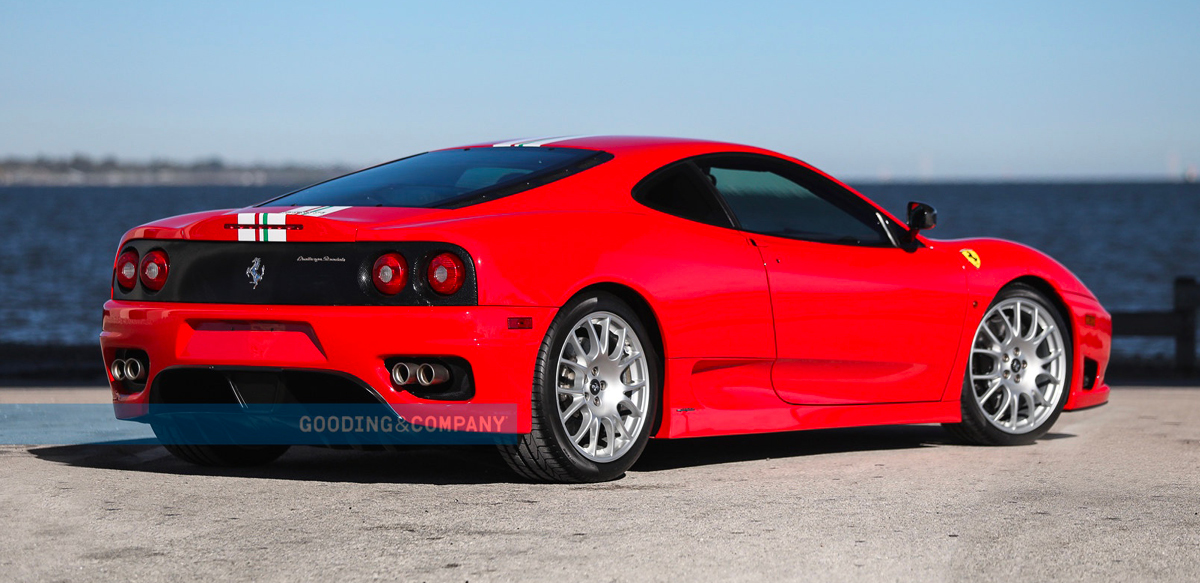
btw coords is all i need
(447, 178)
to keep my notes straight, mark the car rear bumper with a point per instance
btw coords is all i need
(351, 341)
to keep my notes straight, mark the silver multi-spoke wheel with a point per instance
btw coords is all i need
(596, 385)
(602, 386)
(1019, 365)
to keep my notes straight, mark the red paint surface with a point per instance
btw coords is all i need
(758, 333)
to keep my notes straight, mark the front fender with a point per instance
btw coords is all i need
(1001, 263)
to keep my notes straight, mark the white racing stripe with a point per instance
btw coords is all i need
(274, 235)
(317, 211)
(539, 142)
(551, 141)
(252, 231)
(247, 234)
(535, 142)
(511, 143)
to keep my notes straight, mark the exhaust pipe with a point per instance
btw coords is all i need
(128, 369)
(134, 369)
(404, 373)
(118, 369)
(432, 374)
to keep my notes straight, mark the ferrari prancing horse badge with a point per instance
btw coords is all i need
(971, 256)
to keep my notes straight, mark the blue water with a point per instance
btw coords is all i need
(1127, 242)
(59, 244)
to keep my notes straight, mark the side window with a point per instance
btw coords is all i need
(679, 190)
(770, 198)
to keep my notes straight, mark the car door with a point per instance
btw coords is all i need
(859, 318)
(711, 284)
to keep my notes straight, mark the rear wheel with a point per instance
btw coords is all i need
(595, 395)
(1018, 372)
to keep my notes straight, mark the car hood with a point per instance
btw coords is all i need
(1002, 261)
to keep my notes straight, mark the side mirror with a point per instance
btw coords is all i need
(920, 217)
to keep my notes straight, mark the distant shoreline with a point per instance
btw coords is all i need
(120, 178)
(109, 172)
(83, 171)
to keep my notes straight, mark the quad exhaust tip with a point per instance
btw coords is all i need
(432, 374)
(134, 370)
(128, 369)
(404, 373)
(424, 374)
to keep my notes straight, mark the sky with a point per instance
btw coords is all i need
(926, 90)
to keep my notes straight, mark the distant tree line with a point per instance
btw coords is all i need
(83, 170)
(85, 163)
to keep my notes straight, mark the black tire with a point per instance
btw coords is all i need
(976, 426)
(216, 455)
(546, 453)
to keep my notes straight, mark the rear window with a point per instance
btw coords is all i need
(447, 178)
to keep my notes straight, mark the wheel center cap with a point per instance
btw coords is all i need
(595, 387)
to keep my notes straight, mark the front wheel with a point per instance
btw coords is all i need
(1018, 372)
(595, 394)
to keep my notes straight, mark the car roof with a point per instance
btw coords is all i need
(645, 153)
(622, 145)
(649, 152)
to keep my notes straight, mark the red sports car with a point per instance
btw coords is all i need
(605, 290)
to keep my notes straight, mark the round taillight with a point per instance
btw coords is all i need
(446, 274)
(390, 273)
(127, 270)
(154, 270)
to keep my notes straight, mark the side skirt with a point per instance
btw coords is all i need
(708, 422)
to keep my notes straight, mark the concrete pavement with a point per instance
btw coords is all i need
(1113, 493)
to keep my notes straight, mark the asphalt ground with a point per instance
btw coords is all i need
(1113, 494)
